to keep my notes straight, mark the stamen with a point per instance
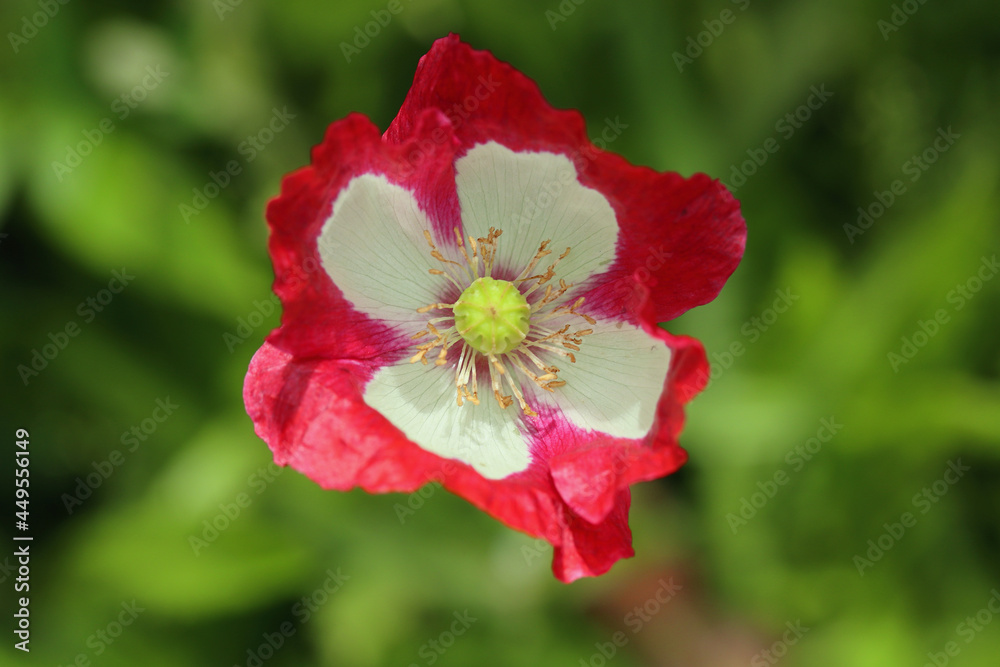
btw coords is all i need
(461, 247)
(504, 401)
(442, 331)
(551, 296)
(516, 390)
(553, 348)
(488, 249)
(433, 306)
(538, 362)
(436, 254)
(541, 381)
(541, 252)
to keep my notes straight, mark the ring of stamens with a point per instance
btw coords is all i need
(446, 330)
(492, 316)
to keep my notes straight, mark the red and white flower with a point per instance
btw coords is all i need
(473, 298)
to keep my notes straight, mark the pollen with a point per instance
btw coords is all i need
(501, 329)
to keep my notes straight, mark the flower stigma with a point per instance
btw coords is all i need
(492, 316)
(503, 327)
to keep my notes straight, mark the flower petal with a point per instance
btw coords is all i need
(312, 416)
(420, 401)
(317, 320)
(615, 383)
(589, 550)
(485, 100)
(681, 238)
(535, 197)
(588, 467)
(684, 235)
(589, 479)
(373, 248)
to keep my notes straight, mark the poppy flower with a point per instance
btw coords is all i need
(472, 298)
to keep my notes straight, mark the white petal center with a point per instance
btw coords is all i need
(420, 401)
(533, 197)
(616, 382)
(373, 248)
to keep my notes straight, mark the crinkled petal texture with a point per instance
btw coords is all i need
(332, 391)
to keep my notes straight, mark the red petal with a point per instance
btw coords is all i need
(486, 100)
(587, 479)
(312, 415)
(590, 550)
(683, 236)
(316, 320)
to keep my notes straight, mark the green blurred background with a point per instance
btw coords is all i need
(766, 529)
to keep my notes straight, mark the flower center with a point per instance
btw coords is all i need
(498, 330)
(492, 316)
